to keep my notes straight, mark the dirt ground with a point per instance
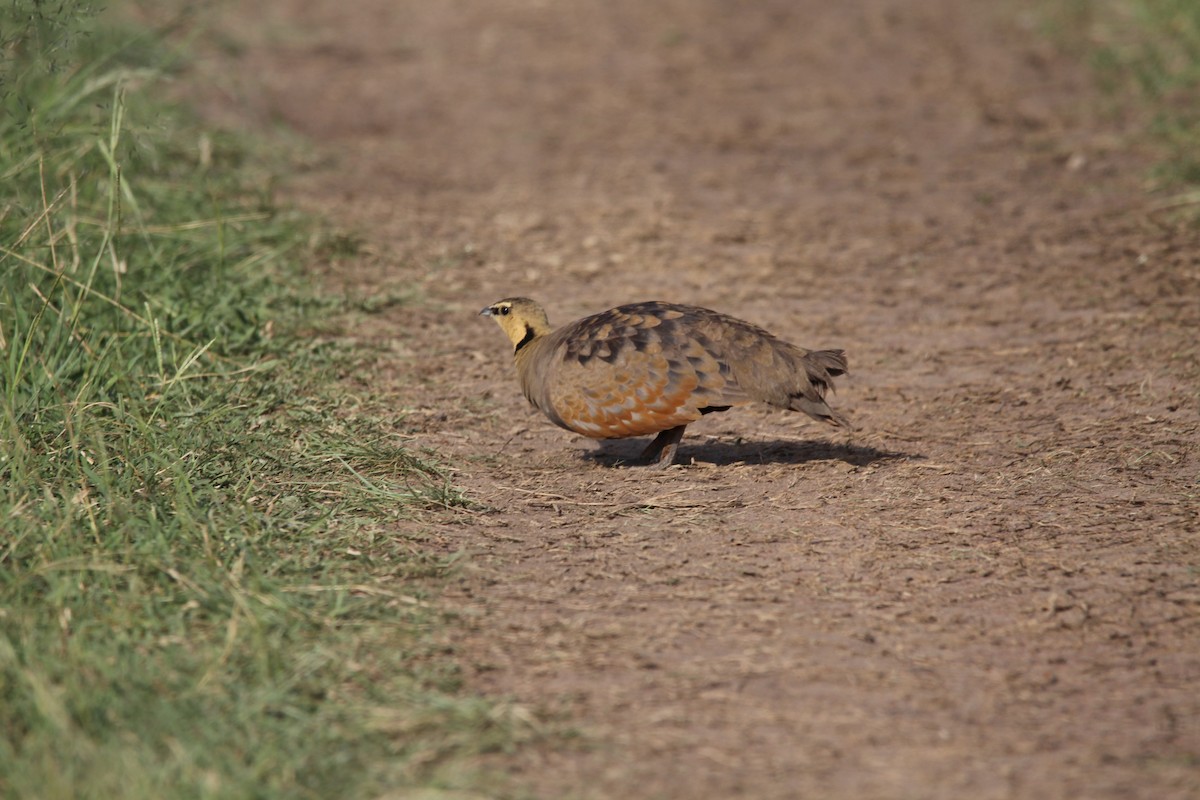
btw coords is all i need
(991, 589)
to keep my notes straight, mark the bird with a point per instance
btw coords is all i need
(655, 367)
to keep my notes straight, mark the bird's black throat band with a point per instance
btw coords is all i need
(525, 340)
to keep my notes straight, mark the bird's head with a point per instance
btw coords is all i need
(520, 318)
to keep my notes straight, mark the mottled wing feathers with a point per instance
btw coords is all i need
(632, 370)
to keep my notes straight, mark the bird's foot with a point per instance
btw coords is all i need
(662, 450)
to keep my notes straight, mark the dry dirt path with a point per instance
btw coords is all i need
(991, 590)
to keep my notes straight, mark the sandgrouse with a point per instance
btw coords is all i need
(655, 367)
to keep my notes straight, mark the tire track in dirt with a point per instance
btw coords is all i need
(990, 590)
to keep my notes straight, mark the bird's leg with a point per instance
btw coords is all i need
(663, 447)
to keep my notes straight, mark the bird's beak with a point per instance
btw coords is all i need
(487, 312)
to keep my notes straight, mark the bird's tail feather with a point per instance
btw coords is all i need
(832, 362)
(818, 410)
(822, 367)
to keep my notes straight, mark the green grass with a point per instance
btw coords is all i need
(199, 593)
(1150, 48)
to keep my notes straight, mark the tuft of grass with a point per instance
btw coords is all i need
(1152, 48)
(199, 596)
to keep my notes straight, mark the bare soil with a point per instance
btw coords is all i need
(991, 589)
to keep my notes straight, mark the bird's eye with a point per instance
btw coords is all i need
(504, 310)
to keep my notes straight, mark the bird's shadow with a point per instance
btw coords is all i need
(628, 452)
